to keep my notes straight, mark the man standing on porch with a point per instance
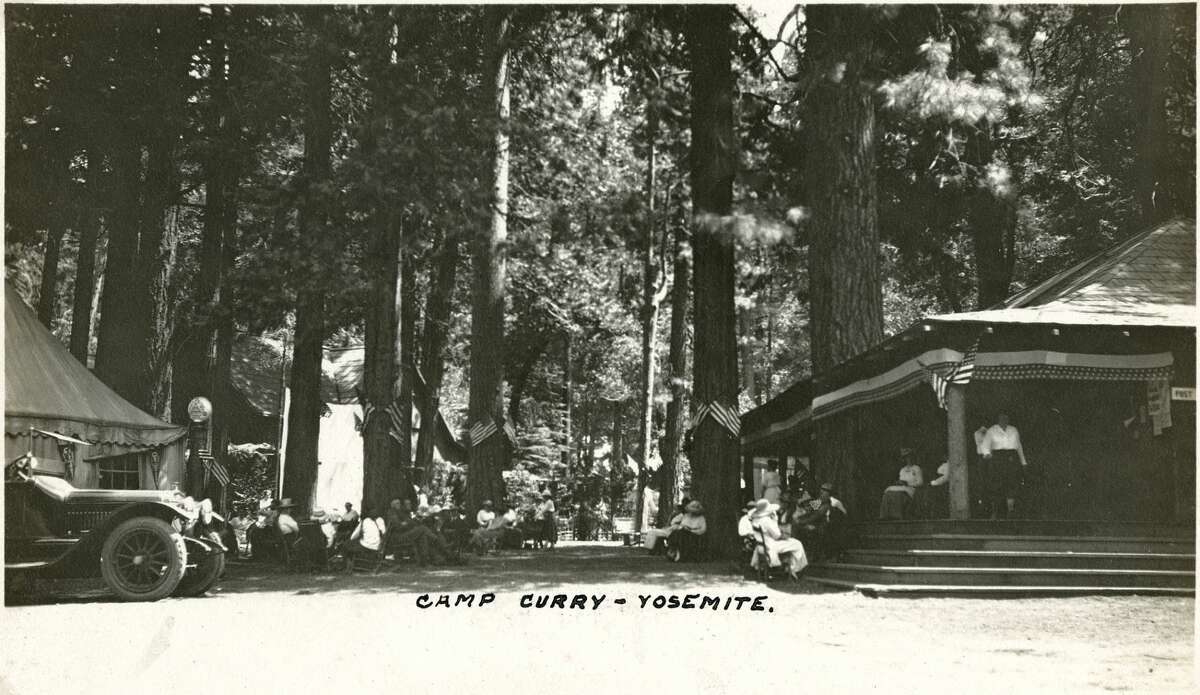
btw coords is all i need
(1001, 449)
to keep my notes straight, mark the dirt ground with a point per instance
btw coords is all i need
(308, 633)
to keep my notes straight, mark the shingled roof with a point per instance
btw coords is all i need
(1149, 280)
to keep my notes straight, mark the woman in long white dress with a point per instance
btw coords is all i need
(771, 483)
(781, 548)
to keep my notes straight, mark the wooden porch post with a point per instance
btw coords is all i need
(959, 452)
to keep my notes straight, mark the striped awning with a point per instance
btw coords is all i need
(995, 366)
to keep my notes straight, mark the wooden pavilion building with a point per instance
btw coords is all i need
(1096, 368)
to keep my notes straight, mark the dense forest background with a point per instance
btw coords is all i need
(524, 203)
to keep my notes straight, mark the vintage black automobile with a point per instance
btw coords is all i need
(146, 544)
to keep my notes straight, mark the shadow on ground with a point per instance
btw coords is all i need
(564, 568)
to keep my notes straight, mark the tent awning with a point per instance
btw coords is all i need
(46, 388)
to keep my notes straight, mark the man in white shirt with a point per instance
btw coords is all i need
(285, 522)
(367, 538)
(745, 526)
(484, 518)
(1005, 459)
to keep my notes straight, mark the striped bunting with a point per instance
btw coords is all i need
(725, 416)
(961, 373)
(482, 430)
(218, 471)
(393, 412)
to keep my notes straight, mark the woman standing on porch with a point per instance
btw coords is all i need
(1005, 459)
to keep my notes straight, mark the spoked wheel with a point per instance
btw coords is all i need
(143, 559)
(203, 576)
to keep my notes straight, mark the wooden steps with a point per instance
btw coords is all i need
(1018, 557)
(985, 591)
(1021, 558)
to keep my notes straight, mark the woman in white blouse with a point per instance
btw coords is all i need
(780, 547)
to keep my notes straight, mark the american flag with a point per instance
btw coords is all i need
(481, 431)
(725, 416)
(218, 471)
(960, 374)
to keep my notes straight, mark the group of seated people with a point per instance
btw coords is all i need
(430, 534)
(910, 497)
(790, 532)
(683, 537)
(783, 533)
(511, 530)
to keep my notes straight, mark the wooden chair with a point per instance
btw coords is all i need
(764, 569)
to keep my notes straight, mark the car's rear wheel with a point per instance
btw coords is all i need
(143, 559)
(203, 575)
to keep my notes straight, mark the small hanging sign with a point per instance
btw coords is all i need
(1183, 394)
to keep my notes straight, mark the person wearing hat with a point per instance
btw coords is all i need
(820, 526)
(780, 547)
(910, 473)
(653, 535)
(685, 542)
(913, 477)
(284, 521)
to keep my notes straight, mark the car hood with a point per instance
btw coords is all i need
(66, 492)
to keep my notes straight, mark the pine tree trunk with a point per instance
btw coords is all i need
(617, 470)
(48, 296)
(56, 228)
(1150, 35)
(381, 452)
(433, 363)
(568, 405)
(677, 377)
(304, 417)
(650, 304)
(993, 215)
(156, 259)
(488, 456)
(845, 289)
(85, 262)
(116, 342)
(195, 362)
(406, 359)
(715, 372)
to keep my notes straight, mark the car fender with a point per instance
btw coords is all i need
(201, 547)
(88, 549)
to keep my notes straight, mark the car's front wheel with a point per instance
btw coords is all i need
(143, 559)
(203, 576)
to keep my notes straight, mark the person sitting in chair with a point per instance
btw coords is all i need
(366, 539)
(685, 542)
(409, 532)
(654, 535)
(484, 517)
(746, 531)
(896, 502)
(914, 477)
(779, 546)
(820, 524)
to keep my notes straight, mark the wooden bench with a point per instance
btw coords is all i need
(623, 531)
